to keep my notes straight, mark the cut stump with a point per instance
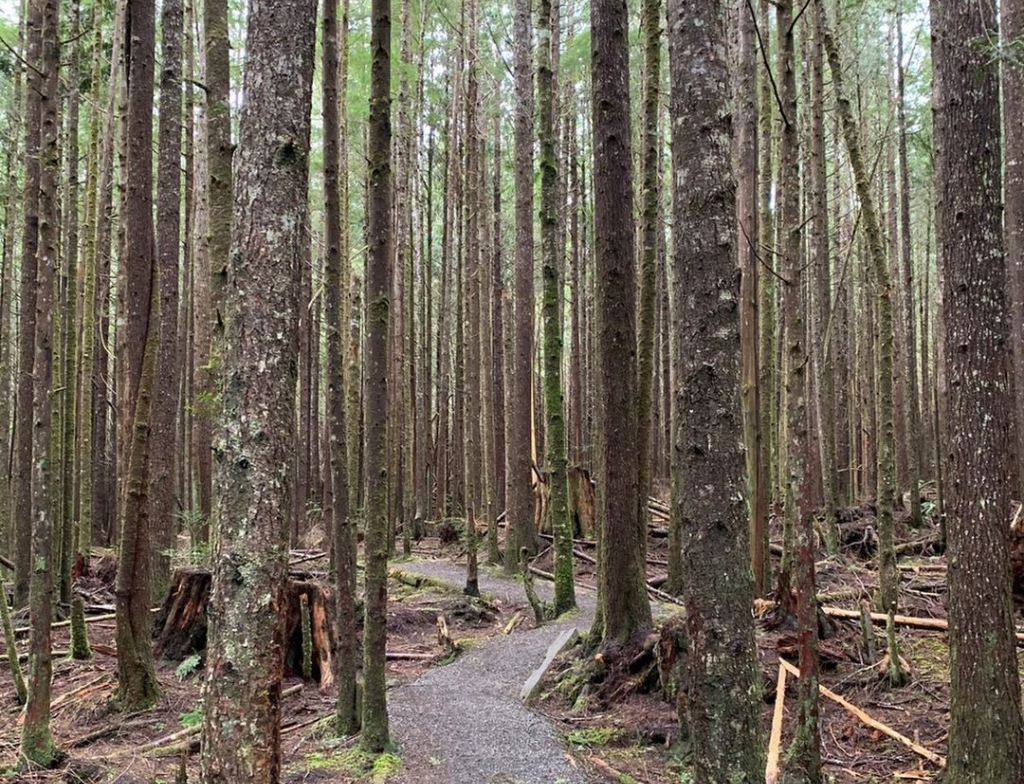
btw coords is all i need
(180, 627)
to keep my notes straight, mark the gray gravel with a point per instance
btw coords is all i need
(464, 723)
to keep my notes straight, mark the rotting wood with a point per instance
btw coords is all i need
(872, 722)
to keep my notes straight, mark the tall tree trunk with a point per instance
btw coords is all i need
(165, 401)
(241, 721)
(551, 268)
(43, 34)
(746, 247)
(136, 674)
(336, 270)
(650, 225)
(519, 480)
(625, 610)
(69, 317)
(1011, 15)
(375, 406)
(913, 411)
(722, 671)
(824, 355)
(804, 759)
(883, 300)
(986, 740)
(498, 327)
(22, 479)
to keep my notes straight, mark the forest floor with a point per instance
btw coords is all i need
(457, 715)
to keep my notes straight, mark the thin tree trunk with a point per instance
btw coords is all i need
(551, 266)
(37, 744)
(625, 611)
(520, 533)
(375, 718)
(165, 402)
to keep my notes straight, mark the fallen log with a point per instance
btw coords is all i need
(870, 721)
(931, 624)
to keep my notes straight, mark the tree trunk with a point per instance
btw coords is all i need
(138, 687)
(625, 610)
(804, 759)
(551, 269)
(375, 406)
(43, 33)
(165, 402)
(746, 247)
(336, 270)
(519, 491)
(1011, 15)
(986, 741)
(241, 722)
(723, 675)
(22, 479)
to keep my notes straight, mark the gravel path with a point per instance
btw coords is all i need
(465, 723)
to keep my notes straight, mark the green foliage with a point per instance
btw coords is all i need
(193, 718)
(375, 768)
(188, 666)
(591, 737)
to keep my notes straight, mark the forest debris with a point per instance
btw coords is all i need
(771, 772)
(932, 624)
(872, 722)
(616, 775)
(513, 624)
(171, 744)
(532, 686)
(444, 637)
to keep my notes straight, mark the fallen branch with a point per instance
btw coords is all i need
(872, 722)
(22, 630)
(171, 744)
(771, 772)
(913, 622)
(8, 565)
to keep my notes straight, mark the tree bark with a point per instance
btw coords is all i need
(375, 405)
(519, 479)
(986, 740)
(37, 744)
(241, 722)
(165, 402)
(625, 610)
(136, 674)
(551, 271)
(722, 670)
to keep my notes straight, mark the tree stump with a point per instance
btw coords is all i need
(582, 502)
(180, 627)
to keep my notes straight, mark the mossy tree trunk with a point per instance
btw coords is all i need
(241, 721)
(551, 270)
(375, 391)
(519, 480)
(168, 229)
(335, 104)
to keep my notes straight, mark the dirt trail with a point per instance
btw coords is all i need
(465, 723)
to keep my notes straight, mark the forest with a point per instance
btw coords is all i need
(526, 391)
